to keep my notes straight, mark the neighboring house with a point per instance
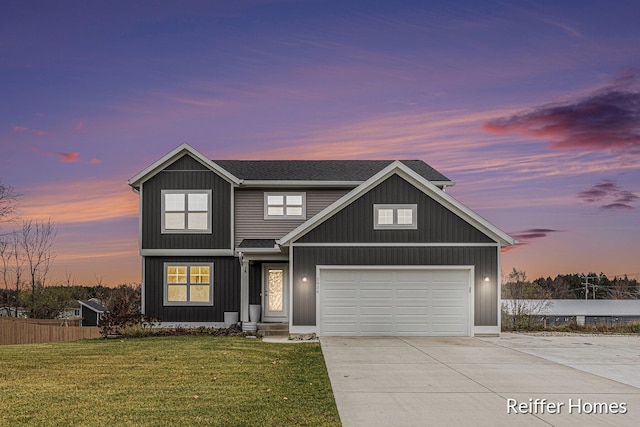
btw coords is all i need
(555, 312)
(345, 247)
(91, 312)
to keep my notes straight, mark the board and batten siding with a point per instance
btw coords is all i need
(179, 179)
(484, 259)
(354, 223)
(226, 293)
(249, 213)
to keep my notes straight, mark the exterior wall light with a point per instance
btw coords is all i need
(304, 278)
(485, 279)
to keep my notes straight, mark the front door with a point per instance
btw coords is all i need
(275, 292)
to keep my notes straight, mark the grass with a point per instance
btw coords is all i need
(184, 380)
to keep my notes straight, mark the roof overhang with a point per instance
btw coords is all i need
(397, 167)
(174, 155)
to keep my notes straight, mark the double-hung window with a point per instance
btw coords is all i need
(395, 217)
(186, 211)
(188, 283)
(285, 205)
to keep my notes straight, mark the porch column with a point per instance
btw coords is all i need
(244, 290)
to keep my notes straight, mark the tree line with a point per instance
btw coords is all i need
(570, 286)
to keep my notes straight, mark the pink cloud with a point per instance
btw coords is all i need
(22, 129)
(79, 126)
(609, 190)
(95, 161)
(606, 120)
(525, 237)
(69, 157)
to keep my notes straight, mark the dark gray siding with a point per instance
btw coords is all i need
(354, 223)
(89, 317)
(152, 237)
(483, 258)
(187, 163)
(226, 290)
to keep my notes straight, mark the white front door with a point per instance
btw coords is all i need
(275, 298)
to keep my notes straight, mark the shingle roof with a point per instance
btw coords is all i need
(257, 243)
(94, 305)
(319, 170)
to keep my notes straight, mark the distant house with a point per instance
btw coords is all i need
(585, 312)
(91, 312)
(332, 247)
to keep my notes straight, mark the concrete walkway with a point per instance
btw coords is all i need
(468, 381)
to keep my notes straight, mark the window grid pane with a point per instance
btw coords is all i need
(198, 202)
(405, 216)
(385, 216)
(188, 284)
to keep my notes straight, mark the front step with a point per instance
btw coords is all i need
(273, 329)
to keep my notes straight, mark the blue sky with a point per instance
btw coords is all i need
(533, 108)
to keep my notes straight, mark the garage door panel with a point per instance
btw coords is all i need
(403, 302)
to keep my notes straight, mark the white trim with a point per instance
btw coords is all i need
(244, 290)
(290, 289)
(298, 183)
(274, 250)
(279, 257)
(186, 211)
(391, 245)
(422, 184)
(284, 317)
(395, 207)
(284, 195)
(174, 155)
(469, 268)
(186, 252)
(188, 284)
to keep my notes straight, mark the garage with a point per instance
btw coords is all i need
(394, 301)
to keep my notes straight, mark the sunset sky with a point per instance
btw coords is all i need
(531, 107)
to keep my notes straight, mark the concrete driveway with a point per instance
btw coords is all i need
(470, 381)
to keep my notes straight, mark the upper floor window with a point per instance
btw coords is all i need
(188, 284)
(285, 205)
(395, 217)
(186, 211)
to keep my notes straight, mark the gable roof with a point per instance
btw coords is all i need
(94, 305)
(172, 156)
(419, 182)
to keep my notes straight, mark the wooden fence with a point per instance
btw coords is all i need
(34, 331)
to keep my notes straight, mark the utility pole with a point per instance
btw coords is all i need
(586, 283)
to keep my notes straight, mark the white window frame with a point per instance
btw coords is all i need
(188, 265)
(186, 212)
(285, 205)
(395, 225)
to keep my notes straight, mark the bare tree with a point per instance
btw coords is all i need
(36, 241)
(8, 202)
(522, 300)
(12, 269)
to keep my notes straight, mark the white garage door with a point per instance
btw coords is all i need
(393, 302)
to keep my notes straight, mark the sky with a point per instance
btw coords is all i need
(531, 107)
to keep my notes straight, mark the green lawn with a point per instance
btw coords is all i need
(187, 380)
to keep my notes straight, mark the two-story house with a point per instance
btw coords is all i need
(333, 247)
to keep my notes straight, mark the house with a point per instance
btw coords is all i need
(342, 248)
(91, 312)
(556, 312)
